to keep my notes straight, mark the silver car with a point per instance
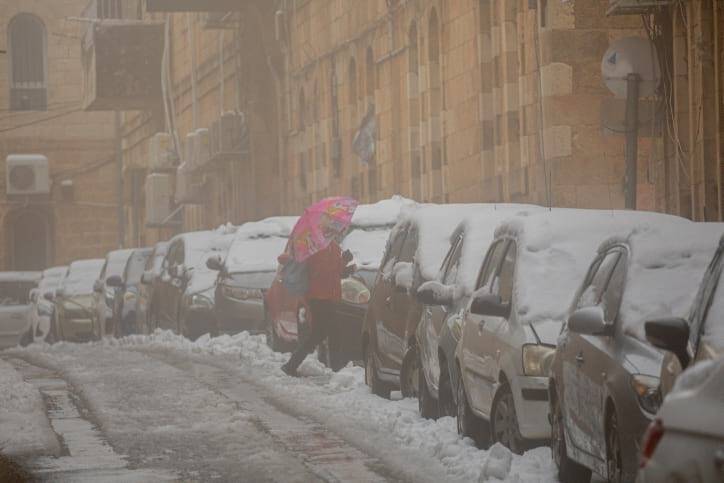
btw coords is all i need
(42, 308)
(604, 387)
(104, 295)
(686, 440)
(15, 290)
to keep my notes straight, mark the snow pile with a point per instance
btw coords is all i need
(345, 404)
(555, 249)
(24, 429)
(384, 212)
(81, 276)
(666, 267)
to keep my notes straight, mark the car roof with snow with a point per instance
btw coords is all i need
(383, 213)
(20, 276)
(479, 232)
(663, 260)
(554, 250)
(435, 224)
(280, 226)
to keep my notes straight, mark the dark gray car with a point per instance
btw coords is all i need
(604, 385)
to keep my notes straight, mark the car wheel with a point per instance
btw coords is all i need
(614, 462)
(504, 421)
(426, 403)
(377, 386)
(409, 373)
(469, 425)
(446, 401)
(568, 470)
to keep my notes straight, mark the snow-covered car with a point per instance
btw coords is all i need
(444, 299)
(15, 306)
(604, 386)
(247, 272)
(511, 325)
(73, 316)
(685, 442)
(699, 337)
(125, 300)
(104, 293)
(42, 307)
(145, 307)
(366, 238)
(413, 255)
(184, 297)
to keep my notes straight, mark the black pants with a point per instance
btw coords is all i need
(321, 321)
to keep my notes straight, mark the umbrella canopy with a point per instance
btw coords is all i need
(320, 224)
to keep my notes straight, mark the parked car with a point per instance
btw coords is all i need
(604, 387)
(74, 319)
(15, 305)
(699, 337)
(145, 307)
(413, 255)
(685, 442)
(366, 238)
(104, 294)
(511, 325)
(126, 287)
(444, 299)
(184, 297)
(42, 308)
(247, 272)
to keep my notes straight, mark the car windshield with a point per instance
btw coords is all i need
(80, 278)
(136, 265)
(15, 293)
(258, 280)
(713, 330)
(117, 263)
(367, 245)
(255, 254)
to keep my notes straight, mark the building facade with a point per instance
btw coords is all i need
(41, 114)
(440, 101)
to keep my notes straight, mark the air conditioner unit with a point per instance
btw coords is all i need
(160, 152)
(202, 148)
(635, 7)
(158, 198)
(218, 20)
(188, 190)
(27, 174)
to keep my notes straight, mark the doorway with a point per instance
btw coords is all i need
(28, 235)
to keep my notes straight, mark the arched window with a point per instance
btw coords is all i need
(28, 63)
(370, 73)
(301, 111)
(352, 81)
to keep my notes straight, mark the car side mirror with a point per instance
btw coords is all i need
(671, 334)
(435, 293)
(98, 286)
(147, 277)
(59, 293)
(49, 296)
(114, 281)
(214, 263)
(588, 321)
(284, 259)
(490, 305)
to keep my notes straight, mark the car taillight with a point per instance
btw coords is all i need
(653, 435)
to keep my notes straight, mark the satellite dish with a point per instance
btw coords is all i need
(631, 55)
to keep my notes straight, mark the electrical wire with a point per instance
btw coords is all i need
(39, 121)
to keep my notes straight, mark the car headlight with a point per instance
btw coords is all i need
(199, 301)
(648, 392)
(537, 360)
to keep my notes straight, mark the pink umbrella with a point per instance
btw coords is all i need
(320, 224)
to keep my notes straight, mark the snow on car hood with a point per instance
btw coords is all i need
(201, 280)
(255, 255)
(555, 249)
(280, 226)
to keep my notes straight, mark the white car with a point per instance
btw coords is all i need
(42, 307)
(512, 323)
(15, 290)
(686, 440)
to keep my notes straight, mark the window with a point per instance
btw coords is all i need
(598, 280)
(28, 68)
(453, 261)
(410, 246)
(503, 283)
(492, 262)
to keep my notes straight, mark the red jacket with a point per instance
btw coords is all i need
(325, 274)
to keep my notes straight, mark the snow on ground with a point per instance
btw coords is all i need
(24, 428)
(344, 403)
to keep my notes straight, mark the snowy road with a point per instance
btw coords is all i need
(163, 408)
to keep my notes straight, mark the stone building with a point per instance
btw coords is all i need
(41, 114)
(437, 100)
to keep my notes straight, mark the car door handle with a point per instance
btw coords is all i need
(579, 359)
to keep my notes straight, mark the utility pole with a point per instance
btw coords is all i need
(119, 165)
(632, 139)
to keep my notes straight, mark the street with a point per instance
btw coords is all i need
(162, 408)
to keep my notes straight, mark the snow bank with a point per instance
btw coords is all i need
(345, 404)
(24, 429)
(666, 267)
(555, 249)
